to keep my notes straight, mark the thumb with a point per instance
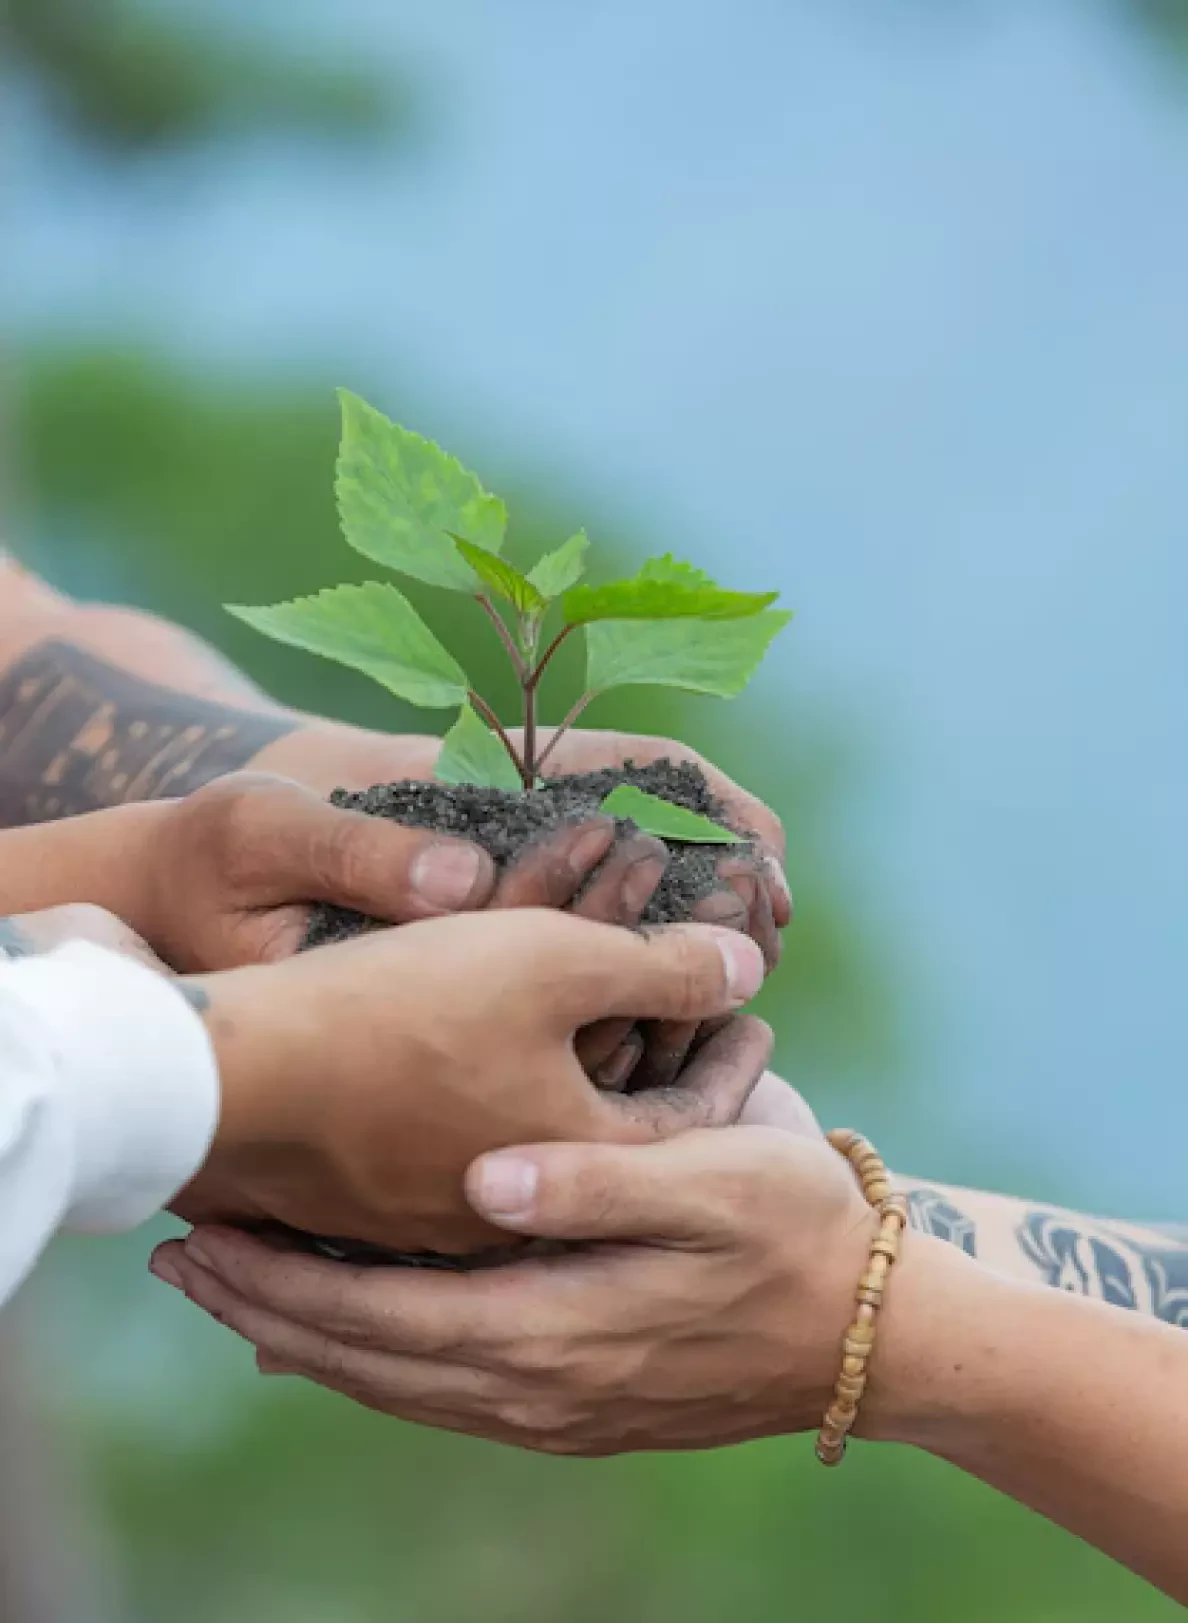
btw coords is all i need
(686, 972)
(317, 852)
(683, 1190)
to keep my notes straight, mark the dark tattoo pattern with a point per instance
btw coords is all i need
(78, 734)
(14, 943)
(196, 996)
(934, 1213)
(1110, 1266)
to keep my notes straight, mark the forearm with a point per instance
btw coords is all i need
(98, 858)
(100, 706)
(1136, 1266)
(1065, 1404)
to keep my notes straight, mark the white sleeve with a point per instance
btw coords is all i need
(109, 1098)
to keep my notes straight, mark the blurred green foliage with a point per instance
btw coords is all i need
(178, 493)
(124, 74)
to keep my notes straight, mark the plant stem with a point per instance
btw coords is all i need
(535, 676)
(530, 772)
(505, 636)
(497, 727)
(573, 715)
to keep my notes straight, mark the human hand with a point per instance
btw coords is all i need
(325, 754)
(709, 1308)
(359, 1081)
(554, 873)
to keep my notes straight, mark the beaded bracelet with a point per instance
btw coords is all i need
(858, 1343)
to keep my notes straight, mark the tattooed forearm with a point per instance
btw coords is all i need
(1146, 1275)
(78, 734)
(934, 1213)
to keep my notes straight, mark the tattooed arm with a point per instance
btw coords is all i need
(709, 1306)
(100, 706)
(1143, 1267)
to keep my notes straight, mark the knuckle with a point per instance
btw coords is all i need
(542, 1358)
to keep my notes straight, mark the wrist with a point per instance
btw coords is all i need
(103, 858)
(935, 1373)
(261, 1042)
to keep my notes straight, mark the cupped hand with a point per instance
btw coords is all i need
(360, 1080)
(708, 1307)
(324, 755)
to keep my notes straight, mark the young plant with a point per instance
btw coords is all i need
(407, 505)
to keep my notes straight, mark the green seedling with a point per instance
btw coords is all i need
(405, 504)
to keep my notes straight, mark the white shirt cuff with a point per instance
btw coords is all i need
(137, 1074)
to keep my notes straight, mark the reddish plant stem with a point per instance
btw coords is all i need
(586, 698)
(533, 680)
(505, 636)
(530, 767)
(500, 731)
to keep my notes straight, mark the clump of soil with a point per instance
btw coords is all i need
(506, 825)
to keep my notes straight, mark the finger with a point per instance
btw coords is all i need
(679, 972)
(390, 1378)
(312, 851)
(776, 1103)
(712, 1090)
(665, 1047)
(625, 883)
(618, 1071)
(777, 889)
(764, 929)
(667, 1042)
(552, 871)
(420, 1312)
(595, 1045)
(686, 1191)
(744, 886)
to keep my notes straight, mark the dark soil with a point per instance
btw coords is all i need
(506, 825)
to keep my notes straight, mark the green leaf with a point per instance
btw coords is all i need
(400, 498)
(672, 569)
(373, 629)
(664, 589)
(557, 571)
(471, 753)
(498, 574)
(703, 656)
(655, 815)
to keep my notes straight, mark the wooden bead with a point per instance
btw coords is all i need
(858, 1342)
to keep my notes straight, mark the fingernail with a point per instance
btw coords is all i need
(744, 963)
(588, 851)
(166, 1271)
(505, 1186)
(778, 880)
(448, 873)
(612, 1073)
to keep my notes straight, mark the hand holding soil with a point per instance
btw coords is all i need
(361, 1080)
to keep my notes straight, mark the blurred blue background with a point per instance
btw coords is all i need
(881, 306)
